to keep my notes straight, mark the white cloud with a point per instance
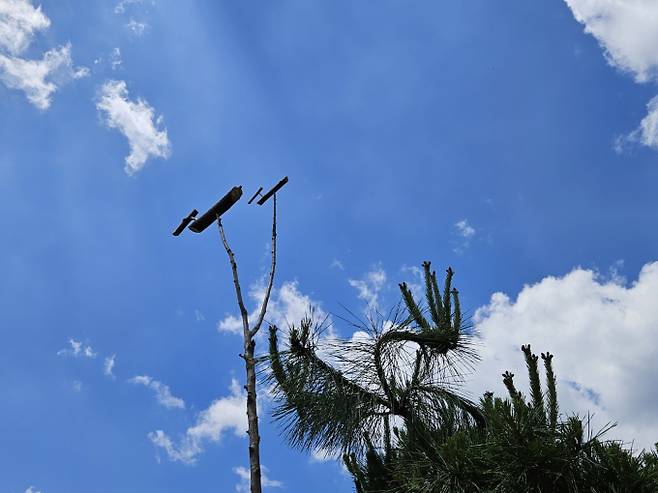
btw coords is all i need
(466, 233)
(335, 263)
(77, 386)
(108, 366)
(628, 34)
(369, 287)
(32, 489)
(19, 21)
(224, 414)
(646, 133)
(121, 6)
(137, 28)
(77, 349)
(464, 229)
(627, 31)
(324, 455)
(115, 58)
(287, 306)
(416, 283)
(198, 316)
(136, 121)
(603, 334)
(244, 474)
(162, 392)
(38, 79)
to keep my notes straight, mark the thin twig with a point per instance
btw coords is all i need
(263, 307)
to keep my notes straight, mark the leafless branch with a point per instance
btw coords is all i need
(236, 280)
(268, 291)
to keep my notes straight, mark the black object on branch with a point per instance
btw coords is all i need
(255, 195)
(211, 215)
(186, 220)
(274, 190)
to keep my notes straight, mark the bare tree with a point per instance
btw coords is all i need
(249, 334)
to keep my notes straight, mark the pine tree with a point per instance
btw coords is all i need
(390, 403)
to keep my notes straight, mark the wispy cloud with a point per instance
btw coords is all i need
(120, 7)
(136, 27)
(337, 264)
(39, 78)
(369, 287)
(162, 392)
(136, 120)
(115, 58)
(465, 232)
(244, 484)
(464, 229)
(108, 366)
(77, 349)
(414, 280)
(32, 489)
(646, 133)
(223, 415)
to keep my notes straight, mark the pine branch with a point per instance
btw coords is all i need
(319, 406)
(533, 375)
(429, 295)
(552, 392)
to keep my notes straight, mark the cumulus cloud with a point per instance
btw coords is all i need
(77, 349)
(244, 475)
(162, 392)
(136, 120)
(627, 31)
(369, 287)
(603, 334)
(108, 366)
(287, 305)
(39, 78)
(223, 415)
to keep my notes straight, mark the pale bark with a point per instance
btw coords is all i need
(249, 348)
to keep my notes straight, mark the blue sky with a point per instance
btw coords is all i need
(516, 143)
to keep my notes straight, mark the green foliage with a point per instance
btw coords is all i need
(407, 373)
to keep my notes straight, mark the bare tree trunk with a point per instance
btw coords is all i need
(249, 349)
